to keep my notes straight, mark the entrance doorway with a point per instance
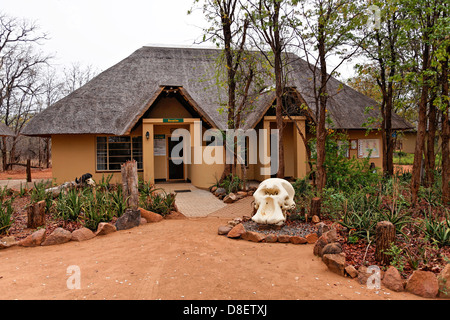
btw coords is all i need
(175, 163)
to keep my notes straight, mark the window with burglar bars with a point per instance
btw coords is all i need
(113, 151)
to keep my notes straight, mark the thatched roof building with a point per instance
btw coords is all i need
(5, 131)
(115, 100)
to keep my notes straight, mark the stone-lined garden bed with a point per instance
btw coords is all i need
(327, 247)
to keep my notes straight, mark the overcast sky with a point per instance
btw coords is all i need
(103, 32)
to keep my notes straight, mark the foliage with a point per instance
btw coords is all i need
(398, 260)
(438, 231)
(6, 211)
(156, 199)
(232, 183)
(38, 193)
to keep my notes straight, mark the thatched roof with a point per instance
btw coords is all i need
(5, 130)
(113, 102)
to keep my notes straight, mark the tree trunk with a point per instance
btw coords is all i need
(445, 134)
(315, 207)
(385, 236)
(430, 157)
(130, 184)
(421, 130)
(36, 215)
(28, 170)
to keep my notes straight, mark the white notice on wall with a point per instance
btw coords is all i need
(159, 145)
(368, 146)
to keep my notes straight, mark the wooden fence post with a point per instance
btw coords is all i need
(384, 237)
(130, 183)
(36, 215)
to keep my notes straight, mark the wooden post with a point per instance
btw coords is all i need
(36, 215)
(315, 207)
(385, 236)
(28, 170)
(130, 184)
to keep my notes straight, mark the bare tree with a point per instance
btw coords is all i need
(20, 65)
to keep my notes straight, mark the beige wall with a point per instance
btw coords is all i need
(361, 134)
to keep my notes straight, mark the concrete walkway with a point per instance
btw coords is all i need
(191, 201)
(17, 183)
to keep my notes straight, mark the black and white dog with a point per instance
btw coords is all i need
(85, 178)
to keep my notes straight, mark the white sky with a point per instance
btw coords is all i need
(103, 32)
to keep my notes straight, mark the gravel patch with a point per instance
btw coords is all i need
(291, 228)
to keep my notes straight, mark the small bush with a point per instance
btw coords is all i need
(6, 211)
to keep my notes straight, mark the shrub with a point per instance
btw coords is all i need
(159, 202)
(438, 231)
(232, 183)
(6, 211)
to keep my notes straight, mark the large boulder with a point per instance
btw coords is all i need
(130, 219)
(335, 262)
(34, 239)
(58, 236)
(332, 248)
(253, 236)
(393, 280)
(237, 231)
(105, 228)
(82, 234)
(150, 216)
(423, 283)
(7, 242)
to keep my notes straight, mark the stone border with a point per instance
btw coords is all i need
(60, 235)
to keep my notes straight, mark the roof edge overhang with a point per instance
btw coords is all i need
(147, 106)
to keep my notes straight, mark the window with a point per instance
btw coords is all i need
(113, 151)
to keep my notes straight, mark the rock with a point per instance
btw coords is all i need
(351, 271)
(331, 235)
(363, 275)
(254, 236)
(237, 231)
(223, 230)
(150, 216)
(242, 193)
(311, 238)
(332, 248)
(297, 240)
(82, 234)
(58, 236)
(230, 198)
(393, 280)
(143, 221)
(284, 238)
(271, 238)
(423, 283)
(105, 228)
(213, 189)
(130, 219)
(250, 193)
(444, 282)
(7, 242)
(234, 222)
(246, 218)
(319, 245)
(321, 228)
(174, 215)
(335, 262)
(220, 192)
(315, 219)
(34, 239)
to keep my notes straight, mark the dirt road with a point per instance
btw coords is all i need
(176, 259)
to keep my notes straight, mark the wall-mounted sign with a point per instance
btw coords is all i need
(159, 144)
(173, 120)
(368, 147)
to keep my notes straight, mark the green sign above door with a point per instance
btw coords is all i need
(173, 120)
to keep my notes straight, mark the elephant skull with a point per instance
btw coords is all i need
(272, 198)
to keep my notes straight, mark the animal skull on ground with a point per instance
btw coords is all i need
(272, 198)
